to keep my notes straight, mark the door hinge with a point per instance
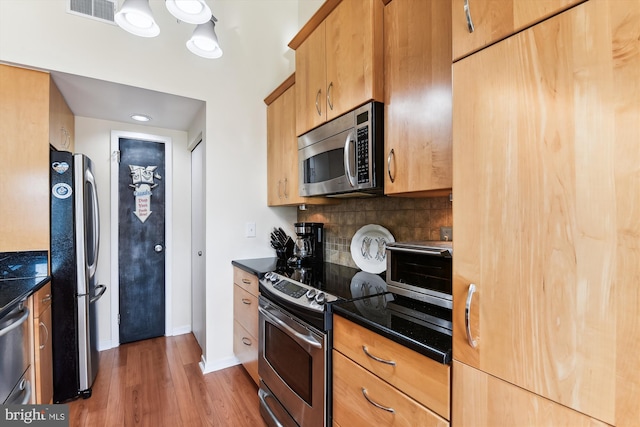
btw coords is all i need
(118, 318)
(116, 155)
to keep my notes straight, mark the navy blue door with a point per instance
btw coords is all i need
(141, 255)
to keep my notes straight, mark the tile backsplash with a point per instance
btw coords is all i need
(408, 219)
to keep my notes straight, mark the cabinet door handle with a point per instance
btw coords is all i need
(467, 314)
(318, 108)
(246, 341)
(246, 281)
(467, 12)
(279, 192)
(46, 339)
(329, 96)
(286, 188)
(391, 154)
(377, 359)
(246, 301)
(377, 405)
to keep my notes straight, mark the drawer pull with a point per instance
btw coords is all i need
(246, 301)
(246, 341)
(46, 298)
(46, 330)
(377, 405)
(246, 281)
(377, 359)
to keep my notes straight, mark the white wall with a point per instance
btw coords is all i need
(254, 36)
(93, 138)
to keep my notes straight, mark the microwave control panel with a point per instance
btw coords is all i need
(362, 155)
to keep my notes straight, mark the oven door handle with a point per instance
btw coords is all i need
(19, 321)
(275, 317)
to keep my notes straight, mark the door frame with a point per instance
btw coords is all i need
(168, 179)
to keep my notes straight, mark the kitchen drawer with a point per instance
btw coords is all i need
(245, 310)
(42, 299)
(352, 407)
(246, 280)
(245, 347)
(422, 378)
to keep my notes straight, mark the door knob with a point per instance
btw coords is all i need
(199, 253)
(157, 248)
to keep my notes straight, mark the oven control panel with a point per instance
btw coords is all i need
(296, 292)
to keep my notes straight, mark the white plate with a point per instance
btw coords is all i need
(368, 248)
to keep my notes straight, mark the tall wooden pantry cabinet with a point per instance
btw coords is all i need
(546, 149)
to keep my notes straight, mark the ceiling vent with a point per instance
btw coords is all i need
(102, 10)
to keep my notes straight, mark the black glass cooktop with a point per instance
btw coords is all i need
(343, 282)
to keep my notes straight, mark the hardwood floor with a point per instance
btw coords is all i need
(158, 382)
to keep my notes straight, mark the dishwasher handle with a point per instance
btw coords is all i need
(19, 321)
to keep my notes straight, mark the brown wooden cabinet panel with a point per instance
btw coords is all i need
(483, 400)
(245, 347)
(418, 376)
(339, 65)
(418, 98)
(361, 398)
(494, 20)
(245, 315)
(546, 132)
(61, 121)
(24, 180)
(42, 359)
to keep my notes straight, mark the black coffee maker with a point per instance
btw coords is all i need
(309, 244)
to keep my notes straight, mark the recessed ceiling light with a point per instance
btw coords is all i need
(140, 117)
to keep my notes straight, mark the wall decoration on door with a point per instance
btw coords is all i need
(143, 182)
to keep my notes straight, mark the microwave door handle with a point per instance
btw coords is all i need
(443, 253)
(347, 158)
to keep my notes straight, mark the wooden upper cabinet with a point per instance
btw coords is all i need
(494, 20)
(61, 121)
(418, 97)
(546, 132)
(282, 149)
(339, 61)
(24, 181)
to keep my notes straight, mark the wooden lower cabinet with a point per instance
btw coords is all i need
(480, 399)
(42, 359)
(414, 390)
(361, 398)
(245, 325)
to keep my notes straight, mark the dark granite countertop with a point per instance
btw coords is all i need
(21, 274)
(13, 291)
(419, 326)
(257, 266)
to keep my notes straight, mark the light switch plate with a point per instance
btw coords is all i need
(250, 229)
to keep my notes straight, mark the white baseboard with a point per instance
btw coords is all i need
(217, 365)
(180, 330)
(106, 345)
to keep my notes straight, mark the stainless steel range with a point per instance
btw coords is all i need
(294, 350)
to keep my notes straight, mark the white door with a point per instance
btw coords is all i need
(198, 265)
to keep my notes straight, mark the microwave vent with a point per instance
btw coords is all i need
(101, 10)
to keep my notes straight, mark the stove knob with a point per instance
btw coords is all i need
(321, 298)
(311, 293)
(267, 275)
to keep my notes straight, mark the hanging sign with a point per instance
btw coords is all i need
(143, 182)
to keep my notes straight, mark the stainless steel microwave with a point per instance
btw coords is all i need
(344, 157)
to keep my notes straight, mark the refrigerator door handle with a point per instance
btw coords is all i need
(101, 289)
(95, 221)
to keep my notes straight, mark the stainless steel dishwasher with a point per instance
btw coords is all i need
(15, 387)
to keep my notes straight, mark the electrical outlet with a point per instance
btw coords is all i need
(446, 233)
(250, 229)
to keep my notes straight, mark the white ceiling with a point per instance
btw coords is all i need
(99, 99)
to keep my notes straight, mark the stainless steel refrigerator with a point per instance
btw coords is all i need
(75, 238)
